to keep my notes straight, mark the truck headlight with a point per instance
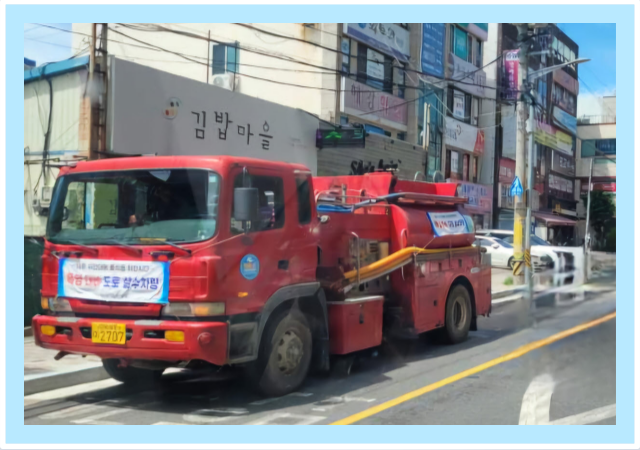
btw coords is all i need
(57, 304)
(194, 309)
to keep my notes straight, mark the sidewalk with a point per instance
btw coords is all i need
(43, 373)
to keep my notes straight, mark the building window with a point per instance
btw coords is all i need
(375, 69)
(459, 43)
(346, 55)
(225, 59)
(459, 105)
(469, 48)
(478, 53)
(402, 137)
(564, 99)
(598, 147)
(399, 79)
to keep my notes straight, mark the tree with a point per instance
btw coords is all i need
(601, 214)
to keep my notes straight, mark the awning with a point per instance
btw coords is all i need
(551, 219)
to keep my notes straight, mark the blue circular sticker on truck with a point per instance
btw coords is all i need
(250, 267)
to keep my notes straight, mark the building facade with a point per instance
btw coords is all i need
(554, 202)
(597, 145)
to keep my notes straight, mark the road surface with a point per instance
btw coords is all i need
(570, 381)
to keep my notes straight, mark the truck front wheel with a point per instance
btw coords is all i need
(285, 355)
(458, 315)
(130, 375)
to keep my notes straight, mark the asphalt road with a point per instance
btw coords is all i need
(572, 381)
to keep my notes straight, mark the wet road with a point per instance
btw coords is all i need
(571, 381)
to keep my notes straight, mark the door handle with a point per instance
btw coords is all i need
(283, 264)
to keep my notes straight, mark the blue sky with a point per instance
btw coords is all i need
(45, 45)
(596, 41)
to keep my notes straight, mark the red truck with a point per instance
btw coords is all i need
(157, 262)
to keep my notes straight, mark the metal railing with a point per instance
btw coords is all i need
(597, 120)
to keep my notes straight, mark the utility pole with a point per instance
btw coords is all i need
(520, 209)
(90, 94)
(425, 126)
(587, 234)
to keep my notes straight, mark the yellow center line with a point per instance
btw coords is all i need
(459, 376)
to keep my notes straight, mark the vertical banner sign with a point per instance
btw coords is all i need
(511, 64)
(118, 281)
(432, 54)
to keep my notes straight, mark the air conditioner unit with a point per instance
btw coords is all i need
(225, 81)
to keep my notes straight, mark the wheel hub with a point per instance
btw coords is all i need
(290, 352)
(459, 313)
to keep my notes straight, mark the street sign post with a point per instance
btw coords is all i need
(516, 188)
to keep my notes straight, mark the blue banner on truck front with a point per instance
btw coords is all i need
(117, 281)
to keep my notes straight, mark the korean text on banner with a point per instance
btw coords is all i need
(511, 65)
(450, 223)
(117, 281)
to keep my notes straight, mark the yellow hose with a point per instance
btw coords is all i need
(395, 261)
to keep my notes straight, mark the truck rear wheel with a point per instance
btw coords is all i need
(285, 355)
(457, 315)
(130, 375)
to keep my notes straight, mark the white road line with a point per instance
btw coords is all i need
(585, 418)
(536, 402)
(291, 419)
(95, 419)
(77, 410)
(274, 399)
(202, 415)
(70, 391)
(169, 423)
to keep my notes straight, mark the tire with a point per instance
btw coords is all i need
(131, 375)
(510, 263)
(285, 356)
(457, 315)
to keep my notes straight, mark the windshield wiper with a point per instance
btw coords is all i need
(122, 244)
(168, 242)
(79, 244)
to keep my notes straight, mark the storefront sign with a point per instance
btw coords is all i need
(117, 281)
(565, 120)
(454, 164)
(432, 54)
(553, 138)
(562, 164)
(449, 223)
(566, 81)
(480, 197)
(389, 38)
(511, 65)
(341, 137)
(371, 105)
(607, 187)
(560, 184)
(463, 136)
(507, 171)
(473, 79)
(458, 105)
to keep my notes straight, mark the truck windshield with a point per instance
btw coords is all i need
(175, 205)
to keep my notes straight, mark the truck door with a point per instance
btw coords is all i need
(258, 263)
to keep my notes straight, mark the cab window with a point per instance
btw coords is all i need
(270, 202)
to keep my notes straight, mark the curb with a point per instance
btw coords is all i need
(51, 381)
(28, 331)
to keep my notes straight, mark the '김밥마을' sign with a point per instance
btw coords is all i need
(118, 281)
(450, 223)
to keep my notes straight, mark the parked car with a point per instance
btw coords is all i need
(501, 251)
(564, 260)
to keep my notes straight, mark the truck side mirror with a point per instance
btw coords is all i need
(245, 204)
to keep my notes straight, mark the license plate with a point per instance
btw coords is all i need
(108, 333)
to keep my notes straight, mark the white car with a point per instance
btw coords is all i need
(563, 260)
(501, 252)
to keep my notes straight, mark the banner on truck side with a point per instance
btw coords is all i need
(445, 224)
(116, 281)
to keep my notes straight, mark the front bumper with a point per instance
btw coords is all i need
(205, 341)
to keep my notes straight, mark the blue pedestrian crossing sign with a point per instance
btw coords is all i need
(516, 188)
